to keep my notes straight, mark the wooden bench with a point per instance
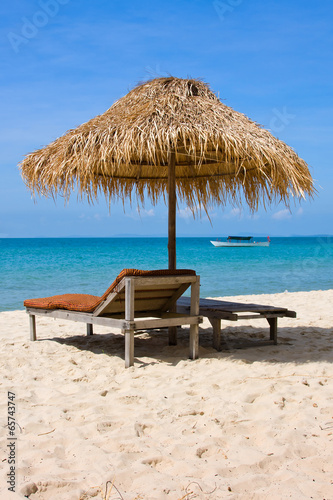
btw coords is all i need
(218, 310)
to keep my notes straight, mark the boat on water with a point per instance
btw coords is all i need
(240, 241)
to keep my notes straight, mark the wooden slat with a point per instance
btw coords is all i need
(175, 296)
(154, 293)
(211, 306)
(140, 323)
(139, 305)
(78, 316)
(165, 286)
(149, 293)
(290, 314)
(104, 305)
(260, 315)
(157, 286)
(163, 280)
(172, 320)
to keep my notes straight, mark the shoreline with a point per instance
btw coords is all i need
(40, 269)
(244, 423)
(261, 297)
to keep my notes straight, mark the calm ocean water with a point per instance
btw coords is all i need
(40, 267)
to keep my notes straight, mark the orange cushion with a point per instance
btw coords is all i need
(69, 301)
(88, 303)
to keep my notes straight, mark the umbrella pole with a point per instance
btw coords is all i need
(172, 228)
(172, 209)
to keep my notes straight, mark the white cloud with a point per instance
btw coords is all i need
(140, 213)
(147, 213)
(185, 213)
(282, 215)
(90, 217)
(235, 212)
(212, 215)
(300, 211)
(253, 216)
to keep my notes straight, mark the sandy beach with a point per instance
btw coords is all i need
(244, 423)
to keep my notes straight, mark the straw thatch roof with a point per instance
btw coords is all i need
(220, 153)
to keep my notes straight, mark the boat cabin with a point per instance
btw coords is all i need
(239, 238)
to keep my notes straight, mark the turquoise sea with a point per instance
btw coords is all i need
(32, 268)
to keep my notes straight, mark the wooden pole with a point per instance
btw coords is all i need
(172, 209)
(129, 316)
(172, 227)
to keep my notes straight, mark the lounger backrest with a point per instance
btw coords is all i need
(151, 293)
(113, 300)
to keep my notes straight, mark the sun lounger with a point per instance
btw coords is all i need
(136, 300)
(217, 310)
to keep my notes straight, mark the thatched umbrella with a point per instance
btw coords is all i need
(169, 137)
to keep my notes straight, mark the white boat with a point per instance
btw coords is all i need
(240, 241)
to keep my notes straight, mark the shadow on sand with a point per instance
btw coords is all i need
(295, 344)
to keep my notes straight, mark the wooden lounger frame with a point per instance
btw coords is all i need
(218, 310)
(138, 303)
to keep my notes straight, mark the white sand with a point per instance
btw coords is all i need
(250, 423)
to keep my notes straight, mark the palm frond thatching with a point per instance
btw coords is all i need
(221, 155)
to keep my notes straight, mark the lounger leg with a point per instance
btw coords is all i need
(32, 321)
(194, 311)
(90, 330)
(129, 348)
(194, 341)
(129, 316)
(172, 335)
(273, 329)
(216, 324)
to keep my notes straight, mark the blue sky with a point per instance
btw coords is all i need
(65, 61)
